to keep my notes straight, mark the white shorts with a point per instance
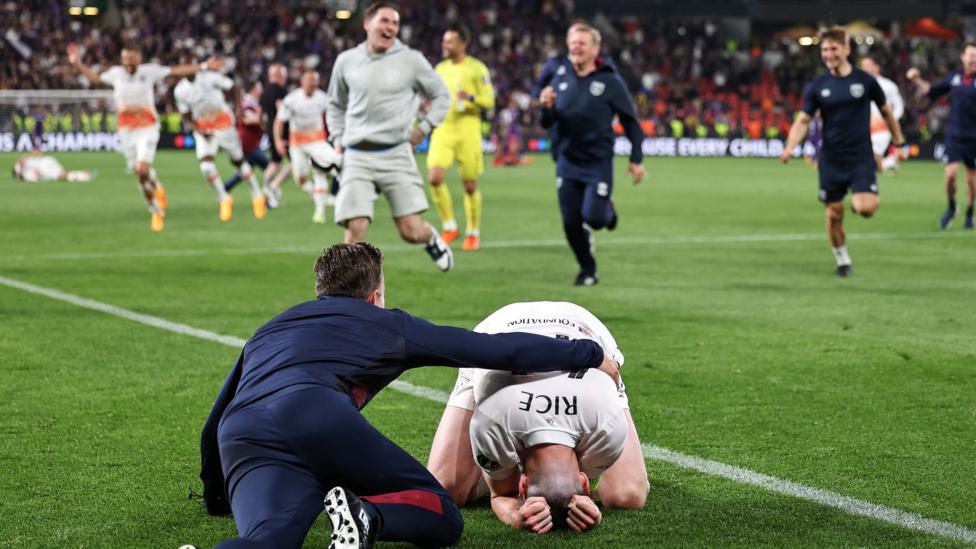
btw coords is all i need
(366, 174)
(462, 395)
(226, 139)
(880, 142)
(139, 145)
(44, 168)
(317, 153)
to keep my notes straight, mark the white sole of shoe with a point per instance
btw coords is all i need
(345, 534)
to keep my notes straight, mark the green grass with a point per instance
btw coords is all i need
(749, 353)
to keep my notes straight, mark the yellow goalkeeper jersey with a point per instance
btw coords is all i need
(472, 77)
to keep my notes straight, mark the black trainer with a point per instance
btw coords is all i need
(844, 271)
(440, 253)
(352, 527)
(613, 221)
(583, 279)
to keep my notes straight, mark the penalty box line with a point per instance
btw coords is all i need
(827, 498)
(498, 244)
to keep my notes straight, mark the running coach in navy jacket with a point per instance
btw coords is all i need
(286, 425)
(580, 104)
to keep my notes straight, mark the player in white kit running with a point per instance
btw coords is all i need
(311, 155)
(880, 134)
(200, 98)
(541, 442)
(134, 83)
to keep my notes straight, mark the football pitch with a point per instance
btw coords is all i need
(778, 405)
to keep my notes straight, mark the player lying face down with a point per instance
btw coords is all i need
(546, 447)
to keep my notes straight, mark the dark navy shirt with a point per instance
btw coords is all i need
(962, 104)
(582, 119)
(358, 349)
(844, 103)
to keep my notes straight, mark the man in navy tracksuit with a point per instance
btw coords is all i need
(285, 432)
(580, 103)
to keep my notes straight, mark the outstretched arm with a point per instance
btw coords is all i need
(211, 64)
(74, 57)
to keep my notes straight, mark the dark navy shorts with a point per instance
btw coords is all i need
(960, 151)
(837, 176)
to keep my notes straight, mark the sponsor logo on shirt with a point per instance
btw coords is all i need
(825, 92)
(563, 86)
(597, 88)
(561, 71)
(857, 90)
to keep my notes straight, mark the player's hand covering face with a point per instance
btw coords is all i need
(583, 514)
(535, 516)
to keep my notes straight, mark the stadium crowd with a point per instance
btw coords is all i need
(685, 79)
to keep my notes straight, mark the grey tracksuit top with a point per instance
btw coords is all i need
(375, 97)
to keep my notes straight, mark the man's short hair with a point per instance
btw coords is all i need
(583, 26)
(377, 6)
(350, 270)
(837, 34)
(132, 45)
(463, 33)
(558, 491)
(967, 45)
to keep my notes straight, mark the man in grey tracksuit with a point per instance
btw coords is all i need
(374, 96)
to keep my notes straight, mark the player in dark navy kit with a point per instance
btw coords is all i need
(843, 96)
(961, 133)
(286, 432)
(580, 104)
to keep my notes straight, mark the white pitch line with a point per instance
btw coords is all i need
(499, 244)
(827, 498)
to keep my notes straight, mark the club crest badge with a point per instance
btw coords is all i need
(857, 90)
(597, 88)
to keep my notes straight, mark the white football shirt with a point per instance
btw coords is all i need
(304, 115)
(204, 100)
(583, 409)
(893, 99)
(135, 93)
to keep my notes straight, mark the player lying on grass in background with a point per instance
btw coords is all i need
(36, 166)
(545, 445)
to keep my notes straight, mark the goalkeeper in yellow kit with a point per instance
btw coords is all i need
(459, 136)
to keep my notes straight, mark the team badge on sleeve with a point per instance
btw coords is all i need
(857, 90)
(596, 88)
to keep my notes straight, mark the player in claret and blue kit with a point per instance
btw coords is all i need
(843, 96)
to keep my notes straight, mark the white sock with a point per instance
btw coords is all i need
(78, 176)
(840, 254)
(247, 174)
(473, 232)
(218, 187)
(889, 162)
(450, 225)
(320, 191)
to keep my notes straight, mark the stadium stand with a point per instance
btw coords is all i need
(686, 81)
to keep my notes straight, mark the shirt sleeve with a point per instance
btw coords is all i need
(427, 344)
(156, 72)
(432, 86)
(484, 95)
(110, 77)
(875, 92)
(222, 81)
(462, 396)
(940, 88)
(599, 449)
(179, 96)
(811, 101)
(492, 448)
(335, 114)
(545, 76)
(623, 106)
